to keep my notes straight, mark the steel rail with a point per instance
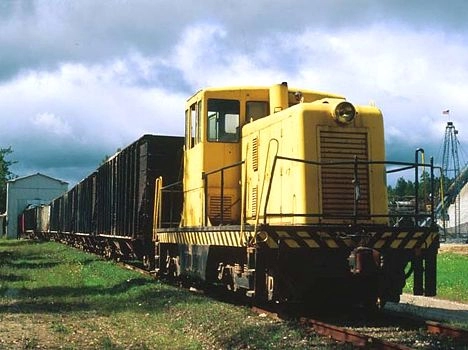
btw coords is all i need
(345, 335)
(460, 334)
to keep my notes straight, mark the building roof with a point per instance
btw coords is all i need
(37, 174)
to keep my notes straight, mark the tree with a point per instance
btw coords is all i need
(5, 175)
(403, 188)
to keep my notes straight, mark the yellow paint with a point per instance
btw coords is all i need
(311, 243)
(379, 244)
(295, 132)
(291, 243)
(282, 234)
(303, 234)
(395, 243)
(331, 243)
(411, 244)
(223, 238)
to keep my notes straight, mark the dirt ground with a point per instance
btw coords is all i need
(454, 248)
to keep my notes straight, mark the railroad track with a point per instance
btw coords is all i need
(382, 331)
(371, 337)
(412, 334)
(448, 331)
(344, 335)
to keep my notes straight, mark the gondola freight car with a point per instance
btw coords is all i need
(110, 212)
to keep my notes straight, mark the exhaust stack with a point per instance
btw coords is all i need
(279, 97)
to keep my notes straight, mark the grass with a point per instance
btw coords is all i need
(452, 283)
(53, 296)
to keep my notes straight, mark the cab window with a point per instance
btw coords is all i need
(223, 120)
(256, 110)
(192, 125)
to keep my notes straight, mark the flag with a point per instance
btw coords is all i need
(446, 112)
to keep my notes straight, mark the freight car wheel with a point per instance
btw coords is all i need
(149, 262)
(149, 257)
(109, 252)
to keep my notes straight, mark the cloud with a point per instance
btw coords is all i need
(49, 123)
(43, 35)
(77, 114)
(80, 79)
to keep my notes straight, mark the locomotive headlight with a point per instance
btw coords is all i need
(345, 112)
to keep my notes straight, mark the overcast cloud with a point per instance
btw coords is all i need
(79, 79)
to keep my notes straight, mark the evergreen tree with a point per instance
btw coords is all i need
(403, 188)
(5, 175)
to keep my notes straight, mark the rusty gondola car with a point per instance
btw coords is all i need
(110, 212)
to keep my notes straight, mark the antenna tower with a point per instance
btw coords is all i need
(451, 169)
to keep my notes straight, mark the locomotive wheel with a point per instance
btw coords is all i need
(172, 267)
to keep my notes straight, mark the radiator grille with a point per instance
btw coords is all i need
(254, 202)
(255, 154)
(337, 180)
(215, 209)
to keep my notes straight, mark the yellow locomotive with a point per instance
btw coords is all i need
(284, 198)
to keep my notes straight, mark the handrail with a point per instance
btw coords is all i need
(205, 185)
(222, 168)
(357, 190)
(158, 207)
(273, 166)
(356, 162)
(174, 184)
(270, 171)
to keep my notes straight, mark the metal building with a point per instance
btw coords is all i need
(29, 190)
(458, 228)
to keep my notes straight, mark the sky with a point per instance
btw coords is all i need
(80, 79)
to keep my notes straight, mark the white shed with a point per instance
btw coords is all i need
(463, 210)
(32, 189)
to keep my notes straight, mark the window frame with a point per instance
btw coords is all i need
(221, 136)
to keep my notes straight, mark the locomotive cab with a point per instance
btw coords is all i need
(214, 120)
(212, 156)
